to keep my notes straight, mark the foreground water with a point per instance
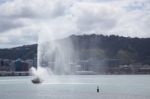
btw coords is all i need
(77, 87)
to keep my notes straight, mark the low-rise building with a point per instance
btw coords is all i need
(20, 65)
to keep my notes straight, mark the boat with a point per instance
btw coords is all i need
(37, 80)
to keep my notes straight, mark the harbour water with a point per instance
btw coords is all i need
(77, 87)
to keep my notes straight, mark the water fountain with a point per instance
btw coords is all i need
(55, 57)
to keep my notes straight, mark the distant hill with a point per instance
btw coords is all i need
(23, 52)
(128, 50)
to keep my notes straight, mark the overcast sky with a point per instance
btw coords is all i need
(21, 21)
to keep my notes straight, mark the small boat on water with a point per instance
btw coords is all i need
(37, 80)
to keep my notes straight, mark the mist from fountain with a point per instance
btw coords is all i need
(55, 57)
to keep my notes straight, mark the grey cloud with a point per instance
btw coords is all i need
(93, 23)
(35, 9)
(6, 25)
(145, 24)
(95, 20)
(4, 1)
(136, 5)
(65, 17)
(30, 13)
(18, 40)
(15, 42)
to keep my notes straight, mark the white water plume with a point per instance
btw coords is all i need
(55, 56)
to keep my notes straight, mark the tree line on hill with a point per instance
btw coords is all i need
(128, 50)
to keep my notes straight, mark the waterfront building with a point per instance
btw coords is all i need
(20, 65)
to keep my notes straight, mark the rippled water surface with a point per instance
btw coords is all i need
(77, 87)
